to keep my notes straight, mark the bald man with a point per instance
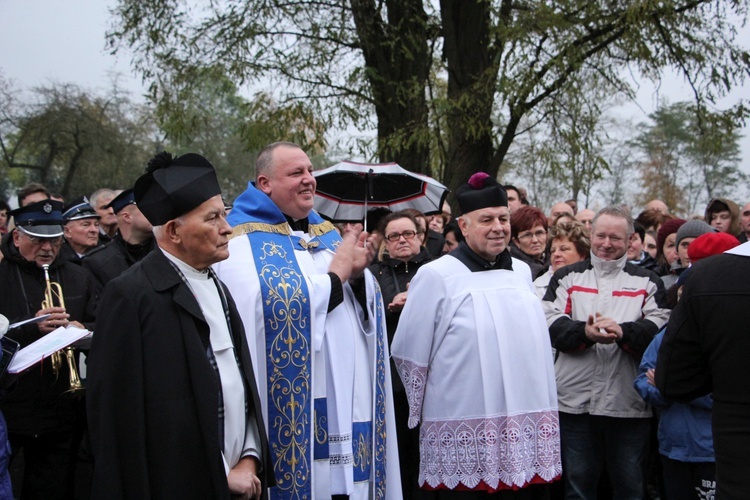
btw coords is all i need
(586, 217)
(557, 210)
(657, 205)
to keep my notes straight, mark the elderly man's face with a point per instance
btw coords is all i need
(487, 231)
(82, 234)
(204, 234)
(290, 183)
(609, 237)
(39, 250)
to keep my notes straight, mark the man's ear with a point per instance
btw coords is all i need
(263, 183)
(171, 231)
(462, 223)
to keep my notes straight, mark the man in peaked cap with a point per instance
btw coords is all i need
(41, 418)
(172, 402)
(473, 351)
(81, 230)
(100, 200)
(133, 241)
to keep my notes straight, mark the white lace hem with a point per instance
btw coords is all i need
(507, 449)
(414, 377)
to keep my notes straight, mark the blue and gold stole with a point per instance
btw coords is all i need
(289, 350)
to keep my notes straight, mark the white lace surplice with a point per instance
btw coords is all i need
(479, 377)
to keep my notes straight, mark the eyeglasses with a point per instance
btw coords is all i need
(37, 241)
(394, 237)
(540, 235)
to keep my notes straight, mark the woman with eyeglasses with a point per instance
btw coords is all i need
(528, 231)
(404, 255)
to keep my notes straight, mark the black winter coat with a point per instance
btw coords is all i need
(393, 276)
(108, 262)
(705, 350)
(153, 394)
(38, 404)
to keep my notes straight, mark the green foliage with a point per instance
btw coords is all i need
(72, 141)
(363, 65)
(209, 117)
(689, 155)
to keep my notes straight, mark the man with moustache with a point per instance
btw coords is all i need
(133, 241)
(602, 315)
(172, 403)
(41, 417)
(314, 316)
(473, 351)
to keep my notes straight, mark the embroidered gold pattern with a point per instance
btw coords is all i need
(252, 227)
(362, 451)
(320, 229)
(288, 356)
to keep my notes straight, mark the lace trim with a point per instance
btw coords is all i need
(413, 376)
(340, 438)
(507, 449)
(341, 460)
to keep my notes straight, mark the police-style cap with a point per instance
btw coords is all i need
(42, 219)
(482, 191)
(172, 187)
(80, 208)
(122, 200)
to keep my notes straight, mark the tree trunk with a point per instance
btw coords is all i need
(472, 77)
(397, 60)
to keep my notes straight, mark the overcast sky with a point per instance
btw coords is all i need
(62, 41)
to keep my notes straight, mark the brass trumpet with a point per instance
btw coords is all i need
(53, 297)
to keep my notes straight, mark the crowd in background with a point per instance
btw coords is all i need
(105, 234)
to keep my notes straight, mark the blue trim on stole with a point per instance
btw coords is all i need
(321, 429)
(379, 445)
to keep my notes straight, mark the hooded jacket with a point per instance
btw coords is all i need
(734, 211)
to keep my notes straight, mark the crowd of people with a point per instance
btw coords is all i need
(254, 349)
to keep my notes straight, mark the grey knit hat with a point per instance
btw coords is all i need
(693, 229)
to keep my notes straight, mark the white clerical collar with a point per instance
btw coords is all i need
(743, 250)
(189, 271)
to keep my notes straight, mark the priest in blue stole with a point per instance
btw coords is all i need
(314, 319)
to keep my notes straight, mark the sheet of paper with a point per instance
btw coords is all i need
(44, 347)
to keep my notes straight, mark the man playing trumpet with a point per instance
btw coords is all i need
(41, 417)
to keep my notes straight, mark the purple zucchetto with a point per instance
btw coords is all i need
(172, 187)
(481, 191)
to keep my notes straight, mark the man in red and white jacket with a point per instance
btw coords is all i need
(602, 314)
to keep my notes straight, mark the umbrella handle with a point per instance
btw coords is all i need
(368, 190)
